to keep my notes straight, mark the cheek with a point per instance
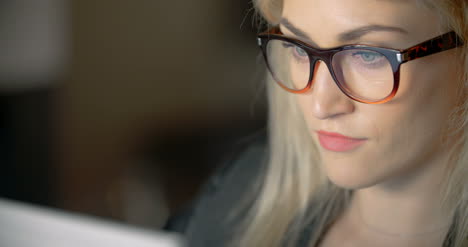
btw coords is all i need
(429, 84)
(426, 97)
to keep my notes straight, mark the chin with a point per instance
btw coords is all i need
(351, 184)
(351, 178)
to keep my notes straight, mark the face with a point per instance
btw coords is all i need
(385, 141)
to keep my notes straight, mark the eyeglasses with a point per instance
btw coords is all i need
(367, 74)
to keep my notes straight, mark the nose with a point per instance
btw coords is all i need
(327, 99)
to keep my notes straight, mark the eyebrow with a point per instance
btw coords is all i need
(347, 36)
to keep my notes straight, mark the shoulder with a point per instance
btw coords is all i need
(242, 162)
(207, 222)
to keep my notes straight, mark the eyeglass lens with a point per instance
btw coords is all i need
(361, 73)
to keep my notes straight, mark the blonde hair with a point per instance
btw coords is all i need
(293, 180)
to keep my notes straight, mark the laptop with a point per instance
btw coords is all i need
(24, 225)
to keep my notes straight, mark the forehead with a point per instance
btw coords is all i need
(323, 20)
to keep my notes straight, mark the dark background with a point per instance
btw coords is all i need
(121, 109)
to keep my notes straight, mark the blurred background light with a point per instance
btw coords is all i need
(34, 45)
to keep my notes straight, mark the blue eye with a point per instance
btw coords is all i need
(300, 52)
(368, 56)
(297, 52)
(369, 59)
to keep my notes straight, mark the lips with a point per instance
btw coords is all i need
(337, 142)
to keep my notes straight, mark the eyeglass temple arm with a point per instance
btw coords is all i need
(438, 44)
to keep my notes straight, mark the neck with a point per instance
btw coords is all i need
(409, 208)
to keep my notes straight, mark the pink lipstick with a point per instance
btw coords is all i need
(337, 142)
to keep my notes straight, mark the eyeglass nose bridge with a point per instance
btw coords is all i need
(314, 62)
(326, 59)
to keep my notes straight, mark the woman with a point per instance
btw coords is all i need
(367, 142)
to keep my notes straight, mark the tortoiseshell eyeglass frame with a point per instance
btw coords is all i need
(396, 57)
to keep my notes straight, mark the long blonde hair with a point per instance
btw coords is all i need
(293, 179)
